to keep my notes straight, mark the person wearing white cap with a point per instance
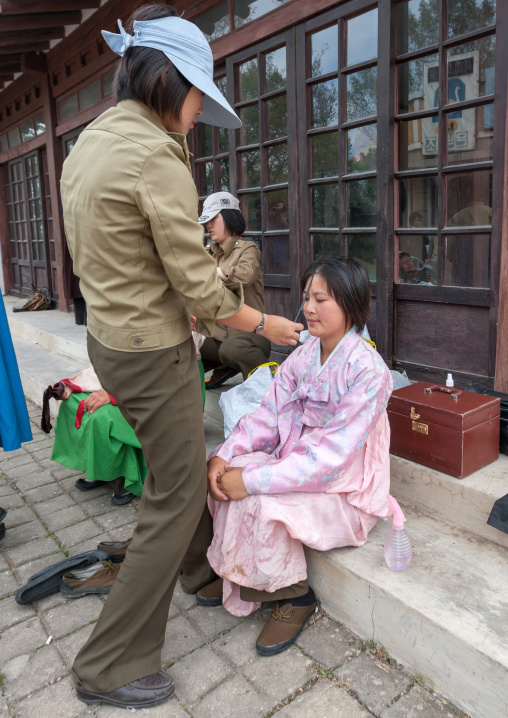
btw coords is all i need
(130, 213)
(230, 350)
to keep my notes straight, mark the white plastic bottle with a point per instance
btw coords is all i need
(398, 549)
(449, 380)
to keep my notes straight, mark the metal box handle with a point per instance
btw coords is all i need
(454, 393)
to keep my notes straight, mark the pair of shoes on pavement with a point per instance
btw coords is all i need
(99, 577)
(142, 693)
(120, 496)
(284, 625)
(3, 514)
(220, 375)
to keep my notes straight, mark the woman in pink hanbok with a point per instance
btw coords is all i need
(309, 467)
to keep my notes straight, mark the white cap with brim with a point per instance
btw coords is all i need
(215, 203)
(185, 45)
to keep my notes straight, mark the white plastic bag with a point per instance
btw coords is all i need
(244, 398)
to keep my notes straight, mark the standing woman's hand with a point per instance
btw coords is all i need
(281, 331)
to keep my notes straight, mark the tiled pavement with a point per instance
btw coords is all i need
(329, 673)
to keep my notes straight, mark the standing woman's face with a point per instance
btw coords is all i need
(191, 109)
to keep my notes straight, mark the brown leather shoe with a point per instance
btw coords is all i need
(97, 578)
(210, 595)
(116, 549)
(283, 628)
(142, 693)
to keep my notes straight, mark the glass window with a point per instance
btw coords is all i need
(68, 107)
(418, 145)
(89, 95)
(214, 22)
(325, 245)
(248, 80)
(419, 246)
(205, 140)
(249, 131)
(324, 155)
(277, 162)
(324, 51)
(247, 10)
(412, 269)
(325, 205)
(27, 130)
(40, 124)
(361, 203)
(276, 246)
(277, 210)
(107, 83)
(205, 178)
(224, 174)
(362, 149)
(362, 247)
(4, 145)
(251, 209)
(467, 260)
(468, 199)
(14, 137)
(418, 195)
(250, 169)
(411, 77)
(362, 37)
(324, 104)
(361, 100)
(471, 136)
(468, 15)
(275, 70)
(276, 118)
(471, 70)
(223, 139)
(417, 25)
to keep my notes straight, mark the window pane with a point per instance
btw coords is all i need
(362, 247)
(89, 95)
(418, 195)
(223, 140)
(247, 10)
(224, 174)
(324, 104)
(325, 245)
(40, 124)
(471, 70)
(277, 160)
(324, 51)
(419, 246)
(412, 269)
(277, 210)
(467, 15)
(27, 130)
(276, 247)
(67, 108)
(362, 149)
(276, 118)
(417, 25)
(412, 80)
(205, 178)
(468, 199)
(249, 131)
(325, 155)
(248, 80)
(361, 203)
(214, 22)
(325, 205)
(14, 137)
(418, 145)
(205, 140)
(361, 94)
(4, 145)
(275, 70)
(471, 140)
(467, 260)
(362, 37)
(107, 83)
(251, 209)
(250, 169)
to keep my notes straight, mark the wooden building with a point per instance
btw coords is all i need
(375, 129)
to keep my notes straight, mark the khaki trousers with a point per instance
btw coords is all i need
(243, 352)
(159, 395)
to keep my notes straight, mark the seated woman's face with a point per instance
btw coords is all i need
(325, 319)
(217, 230)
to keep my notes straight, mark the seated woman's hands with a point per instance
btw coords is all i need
(95, 400)
(225, 482)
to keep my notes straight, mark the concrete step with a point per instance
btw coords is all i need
(444, 617)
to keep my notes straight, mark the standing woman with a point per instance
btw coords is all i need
(130, 212)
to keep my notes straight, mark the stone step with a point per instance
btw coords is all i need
(444, 617)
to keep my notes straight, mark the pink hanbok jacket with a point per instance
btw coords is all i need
(315, 461)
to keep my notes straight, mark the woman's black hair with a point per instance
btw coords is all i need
(348, 283)
(147, 75)
(234, 221)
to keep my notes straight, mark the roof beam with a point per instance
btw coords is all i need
(36, 21)
(24, 47)
(24, 7)
(19, 36)
(10, 62)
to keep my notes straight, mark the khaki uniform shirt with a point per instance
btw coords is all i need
(240, 261)
(130, 213)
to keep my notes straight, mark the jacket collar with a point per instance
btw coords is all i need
(225, 248)
(138, 109)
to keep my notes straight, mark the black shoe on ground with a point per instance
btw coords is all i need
(2, 531)
(220, 376)
(85, 485)
(142, 693)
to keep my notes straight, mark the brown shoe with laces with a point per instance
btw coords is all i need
(116, 549)
(97, 578)
(142, 693)
(283, 627)
(210, 595)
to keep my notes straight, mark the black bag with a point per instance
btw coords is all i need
(499, 515)
(503, 430)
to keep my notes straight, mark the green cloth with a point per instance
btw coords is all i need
(202, 378)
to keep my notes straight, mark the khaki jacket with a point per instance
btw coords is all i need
(239, 261)
(130, 213)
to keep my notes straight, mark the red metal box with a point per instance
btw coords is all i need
(451, 430)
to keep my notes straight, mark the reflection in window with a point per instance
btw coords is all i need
(224, 174)
(467, 260)
(205, 178)
(251, 210)
(214, 22)
(40, 124)
(27, 130)
(468, 15)
(362, 38)
(419, 246)
(4, 145)
(325, 205)
(361, 99)
(250, 169)
(418, 146)
(325, 245)
(475, 144)
(205, 140)
(276, 246)
(247, 10)
(468, 199)
(418, 195)
(223, 139)
(324, 49)
(411, 78)
(249, 131)
(275, 70)
(107, 83)
(68, 107)
(362, 149)
(412, 269)
(248, 80)
(471, 70)
(324, 104)
(325, 155)
(361, 203)
(362, 247)
(277, 161)
(14, 137)
(276, 118)
(417, 23)
(89, 95)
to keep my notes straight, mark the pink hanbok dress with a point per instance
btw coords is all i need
(315, 461)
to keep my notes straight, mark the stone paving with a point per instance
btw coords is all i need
(211, 655)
